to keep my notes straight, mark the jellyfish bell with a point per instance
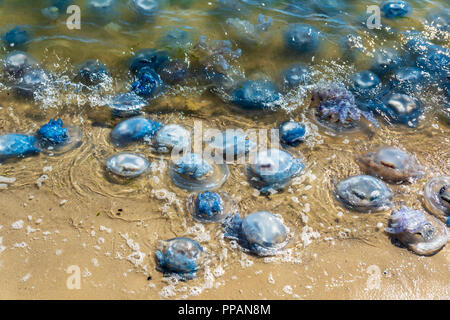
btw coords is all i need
(127, 165)
(437, 197)
(209, 207)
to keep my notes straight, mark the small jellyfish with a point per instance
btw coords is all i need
(247, 32)
(148, 83)
(408, 78)
(217, 54)
(33, 81)
(210, 206)
(151, 58)
(365, 81)
(231, 143)
(55, 138)
(17, 62)
(401, 108)
(17, 146)
(418, 231)
(385, 60)
(92, 73)
(292, 133)
(176, 41)
(180, 257)
(256, 95)
(127, 165)
(437, 197)
(126, 104)
(261, 233)
(16, 37)
(273, 169)
(396, 9)
(134, 129)
(174, 72)
(391, 164)
(301, 38)
(171, 137)
(364, 193)
(296, 76)
(192, 172)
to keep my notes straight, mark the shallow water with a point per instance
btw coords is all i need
(151, 207)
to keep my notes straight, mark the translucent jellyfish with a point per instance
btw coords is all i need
(134, 129)
(396, 9)
(151, 58)
(408, 78)
(174, 72)
(256, 94)
(296, 76)
(391, 164)
(245, 31)
(292, 133)
(17, 62)
(56, 138)
(127, 165)
(217, 54)
(231, 143)
(273, 169)
(148, 83)
(437, 197)
(194, 173)
(146, 8)
(180, 257)
(176, 41)
(337, 110)
(17, 146)
(92, 73)
(301, 38)
(126, 104)
(171, 137)
(385, 60)
(418, 231)
(33, 80)
(364, 193)
(260, 233)
(210, 206)
(364, 82)
(401, 108)
(16, 37)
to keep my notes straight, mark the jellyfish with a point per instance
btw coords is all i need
(301, 38)
(261, 233)
(171, 137)
(15, 145)
(103, 10)
(408, 79)
(390, 164)
(421, 233)
(385, 60)
(365, 82)
(273, 169)
(92, 73)
(173, 72)
(292, 133)
(126, 104)
(146, 8)
(351, 46)
(33, 81)
(148, 83)
(231, 143)
(16, 37)
(210, 206)
(151, 58)
(134, 129)
(17, 62)
(296, 76)
(396, 9)
(364, 193)
(256, 95)
(401, 108)
(437, 197)
(127, 165)
(56, 138)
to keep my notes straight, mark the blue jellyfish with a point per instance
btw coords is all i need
(296, 76)
(17, 62)
(408, 79)
(301, 38)
(256, 94)
(260, 233)
(32, 81)
(364, 193)
(92, 73)
(365, 81)
(436, 62)
(210, 206)
(292, 133)
(148, 83)
(273, 169)
(385, 60)
(421, 233)
(173, 72)
(401, 108)
(231, 143)
(17, 146)
(176, 41)
(146, 8)
(151, 58)
(396, 9)
(171, 137)
(180, 257)
(56, 138)
(134, 129)
(16, 37)
(127, 165)
(126, 104)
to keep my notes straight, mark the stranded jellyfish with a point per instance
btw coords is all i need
(179, 257)
(292, 133)
(364, 193)
(231, 143)
(92, 73)
(127, 165)
(420, 232)
(17, 146)
(17, 62)
(126, 104)
(134, 129)
(273, 169)
(194, 173)
(396, 9)
(437, 197)
(55, 137)
(391, 164)
(210, 206)
(171, 137)
(401, 108)
(261, 233)
(256, 95)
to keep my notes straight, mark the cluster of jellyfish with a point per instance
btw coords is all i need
(385, 91)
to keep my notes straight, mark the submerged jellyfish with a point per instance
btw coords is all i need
(364, 82)
(231, 143)
(437, 197)
(134, 129)
(151, 58)
(174, 72)
(127, 165)
(273, 169)
(256, 94)
(171, 137)
(295, 76)
(32, 81)
(16, 37)
(126, 104)
(391, 164)
(364, 193)
(421, 233)
(192, 172)
(292, 133)
(17, 62)
(148, 83)
(396, 9)
(92, 73)
(401, 108)
(261, 233)
(385, 60)
(176, 41)
(408, 78)
(180, 257)
(105, 10)
(301, 38)
(17, 146)
(146, 8)
(54, 137)
(210, 206)
(245, 31)
(337, 109)
(436, 62)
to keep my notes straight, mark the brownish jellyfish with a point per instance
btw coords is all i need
(391, 164)
(437, 197)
